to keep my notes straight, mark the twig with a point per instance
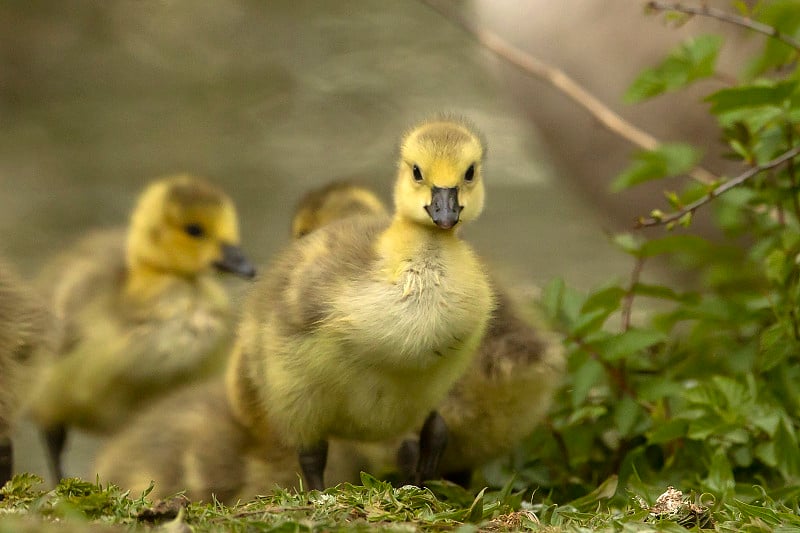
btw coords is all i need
(723, 188)
(792, 174)
(562, 82)
(272, 510)
(627, 301)
(724, 16)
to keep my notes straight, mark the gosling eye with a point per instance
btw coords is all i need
(417, 173)
(194, 230)
(469, 175)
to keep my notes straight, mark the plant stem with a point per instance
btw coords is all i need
(724, 16)
(792, 174)
(721, 189)
(627, 301)
(562, 82)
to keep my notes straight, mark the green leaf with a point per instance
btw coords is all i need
(675, 244)
(775, 347)
(585, 377)
(748, 96)
(608, 299)
(663, 293)
(626, 414)
(668, 431)
(666, 160)
(692, 60)
(777, 267)
(606, 490)
(628, 243)
(787, 452)
(475, 514)
(629, 343)
(704, 427)
(735, 393)
(785, 17)
(768, 516)
(720, 475)
(589, 322)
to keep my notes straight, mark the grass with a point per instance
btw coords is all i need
(76, 505)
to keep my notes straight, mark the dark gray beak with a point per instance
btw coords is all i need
(444, 209)
(234, 261)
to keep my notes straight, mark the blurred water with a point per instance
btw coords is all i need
(266, 99)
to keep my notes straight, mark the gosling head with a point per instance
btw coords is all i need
(440, 180)
(339, 199)
(185, 226)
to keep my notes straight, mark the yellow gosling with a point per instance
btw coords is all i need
(143, 313)
(508, 389)
(360, 329)
(27, 338)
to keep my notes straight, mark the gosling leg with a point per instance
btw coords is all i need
(6, 460)
(407, 460)
(312, 463)
(459, 477)
(432, 441)
(54, 439)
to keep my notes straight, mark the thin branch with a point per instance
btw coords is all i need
(724, 16)
(562, 82)
(792, 173)
(723, 188)
(627, 301)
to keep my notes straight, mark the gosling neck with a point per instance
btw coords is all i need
(406, 240)
(144, 281)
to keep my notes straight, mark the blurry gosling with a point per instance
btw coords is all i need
(191, 442)
(142, 314)
(27, 339)
(334, 201)
(360, 329)
(509, 387)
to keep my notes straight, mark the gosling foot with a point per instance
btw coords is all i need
(6, 460)
(312, 463)
(432, 442)
(54, 439)
(407, 460)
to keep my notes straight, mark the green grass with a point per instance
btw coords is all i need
(77, 505)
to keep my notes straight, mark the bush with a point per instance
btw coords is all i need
(701, 392)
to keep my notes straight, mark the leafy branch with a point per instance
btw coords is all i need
(660, 219)
(706, 11)
(562, 82)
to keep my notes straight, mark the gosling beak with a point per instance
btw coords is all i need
(444, 209)
(234, 261)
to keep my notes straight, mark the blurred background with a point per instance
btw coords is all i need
(269, 99)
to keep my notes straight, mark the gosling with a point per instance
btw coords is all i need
(27, 339)
(331, 202)
(143, 314)
(360, 329)
(506, 392)
(191, 442)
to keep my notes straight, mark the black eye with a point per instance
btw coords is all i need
(417, 173)
(194, 230)
(469, 175)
